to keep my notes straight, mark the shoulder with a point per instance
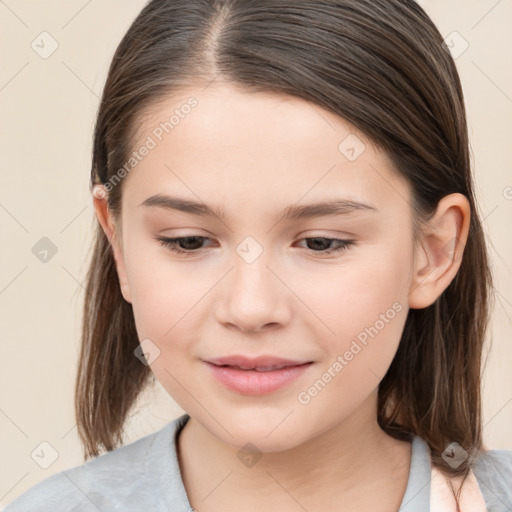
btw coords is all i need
(493, 471)
(56, 492)
(113, 481)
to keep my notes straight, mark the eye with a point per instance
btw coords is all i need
(320, 242)
(189, 244)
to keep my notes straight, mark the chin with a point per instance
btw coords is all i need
(268, 434)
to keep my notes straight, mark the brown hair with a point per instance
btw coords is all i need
(381, 66)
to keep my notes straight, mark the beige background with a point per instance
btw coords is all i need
(48, 108)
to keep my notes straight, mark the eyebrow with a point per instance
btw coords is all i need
(292, 212)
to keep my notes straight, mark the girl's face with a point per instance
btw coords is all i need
(262, 282)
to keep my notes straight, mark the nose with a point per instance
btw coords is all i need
(253, 297)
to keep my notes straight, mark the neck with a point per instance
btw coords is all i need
(353, 460)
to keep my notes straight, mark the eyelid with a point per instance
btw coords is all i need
(341, 245)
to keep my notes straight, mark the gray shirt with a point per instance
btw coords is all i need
(144, 476)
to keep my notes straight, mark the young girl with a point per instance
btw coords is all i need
(288, 240)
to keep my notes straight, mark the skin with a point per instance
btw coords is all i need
(254, 154)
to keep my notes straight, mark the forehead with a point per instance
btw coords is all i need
(267, 147)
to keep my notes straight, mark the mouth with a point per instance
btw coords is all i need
(262, 363)
(257, 380)
(259, 368)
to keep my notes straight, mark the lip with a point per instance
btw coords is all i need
(253, 382)
(263, 361)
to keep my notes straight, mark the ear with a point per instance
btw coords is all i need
(439, 253)
(105, 218)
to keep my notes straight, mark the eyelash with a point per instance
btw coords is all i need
(172, 244)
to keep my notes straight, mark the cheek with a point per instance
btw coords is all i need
(335, 301)
(352, 295)
(361, 309)
(162, 291)
(367, 326)
(164, 297)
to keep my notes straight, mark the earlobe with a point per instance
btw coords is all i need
(439, 255)
(104, 216)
